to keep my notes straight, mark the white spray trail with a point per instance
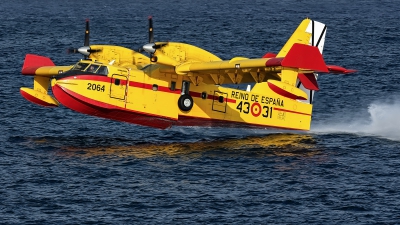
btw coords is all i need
(383, 121)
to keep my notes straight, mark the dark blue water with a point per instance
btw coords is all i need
(61, 167)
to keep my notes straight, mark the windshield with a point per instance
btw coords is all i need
(80, 66)
(91, 68)
(103, 70)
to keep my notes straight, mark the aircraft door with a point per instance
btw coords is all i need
(219, 101)
(118, 86)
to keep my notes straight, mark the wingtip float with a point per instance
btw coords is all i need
(183, 85)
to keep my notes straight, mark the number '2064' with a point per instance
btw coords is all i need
(96, 87)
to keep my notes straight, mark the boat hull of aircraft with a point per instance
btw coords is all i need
(216, 106)
(82, 104)
(87, 105)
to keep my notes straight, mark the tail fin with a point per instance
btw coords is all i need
(301, 59)
(309, 32)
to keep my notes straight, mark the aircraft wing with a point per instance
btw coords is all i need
(36, 65)
(300, 56)
(301, 59)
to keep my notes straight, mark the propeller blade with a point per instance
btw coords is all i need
(85, 50)
(72, 50)
(151, 46)
(86, 43)
(151, 34)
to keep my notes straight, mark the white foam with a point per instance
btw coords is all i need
(383, 121)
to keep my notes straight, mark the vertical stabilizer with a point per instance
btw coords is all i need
(312, 33)
(309, 32)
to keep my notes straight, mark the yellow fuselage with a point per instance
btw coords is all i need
(154, 94)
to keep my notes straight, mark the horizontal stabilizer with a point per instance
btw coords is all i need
(38, 97)
(305, 57)
(287, 90)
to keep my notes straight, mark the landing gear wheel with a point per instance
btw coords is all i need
(185, 102)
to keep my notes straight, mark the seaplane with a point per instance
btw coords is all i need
(165, 84)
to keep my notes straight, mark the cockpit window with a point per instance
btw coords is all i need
(103, 70)
(80, 66)
(92, 68)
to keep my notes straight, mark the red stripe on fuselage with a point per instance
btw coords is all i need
(89, 106)
(289, 111)
(142, 85)
(88, 77)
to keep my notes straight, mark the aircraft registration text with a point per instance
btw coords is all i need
(257, 98)
(96, 87)
(255, 109)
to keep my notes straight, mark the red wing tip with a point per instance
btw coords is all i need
(350, 71)
(339, 69)
(150, 17)
(33, 62)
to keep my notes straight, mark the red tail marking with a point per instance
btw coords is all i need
(269, 55)
(305, 57)
(33, 62)
(284, 93)
(309, 81)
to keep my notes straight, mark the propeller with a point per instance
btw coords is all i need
(151, 47)
(148, 47)
(85, 50)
